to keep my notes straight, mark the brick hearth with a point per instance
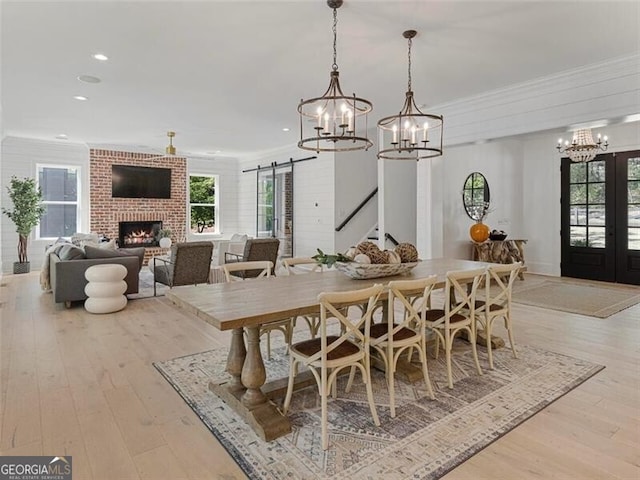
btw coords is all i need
(107, 211)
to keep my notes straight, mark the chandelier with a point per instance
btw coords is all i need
(170, 150)
(410, 135)
(334, 122)
(582, 148)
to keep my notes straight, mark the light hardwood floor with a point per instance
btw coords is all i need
(83, 385)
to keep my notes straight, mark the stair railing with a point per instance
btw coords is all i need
(357, 209)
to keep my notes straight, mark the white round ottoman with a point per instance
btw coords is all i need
(105, 288)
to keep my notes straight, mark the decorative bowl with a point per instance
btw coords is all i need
(497, 236)
(363, 271)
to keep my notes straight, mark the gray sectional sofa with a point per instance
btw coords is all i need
(68, 264)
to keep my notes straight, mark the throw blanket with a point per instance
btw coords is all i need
(45, 282)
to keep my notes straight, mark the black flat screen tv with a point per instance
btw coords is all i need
(140, 182)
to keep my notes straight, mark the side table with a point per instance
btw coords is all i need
(105, 288)
(500, 251)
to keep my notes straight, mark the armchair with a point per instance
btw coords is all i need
(188, 264)
(255, 249)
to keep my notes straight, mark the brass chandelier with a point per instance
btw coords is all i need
(334, 122)
(411, 134)
(582, 147)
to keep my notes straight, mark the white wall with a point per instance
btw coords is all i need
(313, 194)
(397, 201)
(356, 176)
(541, 193)
(227, 192)
(20, 157)
(501, 163)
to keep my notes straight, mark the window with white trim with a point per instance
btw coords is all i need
(203, 204)
(60, 191)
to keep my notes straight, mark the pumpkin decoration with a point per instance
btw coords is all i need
(393, 257)
(361, 258)
(407, 252)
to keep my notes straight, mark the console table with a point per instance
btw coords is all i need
(500, 251)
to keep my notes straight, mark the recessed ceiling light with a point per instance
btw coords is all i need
(62, 136)
(286, 129)
(82, 98)
(100, 56)
(89, 79)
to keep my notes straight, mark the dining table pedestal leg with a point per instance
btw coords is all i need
(247, 399)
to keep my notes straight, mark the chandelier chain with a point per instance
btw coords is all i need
(334, 67)
(409, 67)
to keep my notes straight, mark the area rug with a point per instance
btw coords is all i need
(145, 286)
(593, 300)
(427, 438)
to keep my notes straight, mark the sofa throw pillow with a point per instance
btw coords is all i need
(79, 239)
(71, 252)
(110, 245)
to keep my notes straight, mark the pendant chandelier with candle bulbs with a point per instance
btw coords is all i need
(411, 134)
(334, 122)
(582, 147)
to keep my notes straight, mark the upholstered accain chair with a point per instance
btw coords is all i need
(188, 264)
(255, 249)
(456, 315)
(328, 354)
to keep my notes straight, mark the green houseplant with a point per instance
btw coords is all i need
(27, 210)
(164, 238)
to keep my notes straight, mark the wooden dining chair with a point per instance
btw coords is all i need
(404, 330)
(496, 302)
(261, 269)
(328, 354)
(457, 315)
(302, 266)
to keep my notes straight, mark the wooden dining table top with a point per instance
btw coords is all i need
(251, 302)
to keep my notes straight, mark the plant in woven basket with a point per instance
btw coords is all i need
(27, 210)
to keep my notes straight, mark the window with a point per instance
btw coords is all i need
(203, 205)
(60, 192)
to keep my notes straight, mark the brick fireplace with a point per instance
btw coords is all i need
(107, 212)
(138, 234)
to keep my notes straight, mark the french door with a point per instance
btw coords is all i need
(274, 213)
(601, 218)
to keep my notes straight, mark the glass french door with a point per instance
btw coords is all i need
(601, 218)
(274, 213)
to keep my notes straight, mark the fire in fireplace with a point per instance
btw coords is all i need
(138, 234)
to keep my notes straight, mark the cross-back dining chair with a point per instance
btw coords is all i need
(330, 353)
(404, 330)
(303, 266)
(457, 315)
(496, 302)
(263, 269)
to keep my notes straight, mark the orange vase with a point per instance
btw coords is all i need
(479, 232)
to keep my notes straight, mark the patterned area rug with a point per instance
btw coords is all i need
(425, 440)
(587, 299)
(145, 286)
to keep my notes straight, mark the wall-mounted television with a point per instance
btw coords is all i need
(129, 181)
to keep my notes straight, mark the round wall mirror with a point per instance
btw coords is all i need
(476, 196)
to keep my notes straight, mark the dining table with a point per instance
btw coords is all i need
(243, 307)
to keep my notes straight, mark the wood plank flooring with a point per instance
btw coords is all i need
(72, 383)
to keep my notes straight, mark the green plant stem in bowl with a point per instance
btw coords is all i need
(328, 259)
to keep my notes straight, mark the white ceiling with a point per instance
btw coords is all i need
(228, 75)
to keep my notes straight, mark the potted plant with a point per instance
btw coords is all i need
(164, 238)
(27, 210)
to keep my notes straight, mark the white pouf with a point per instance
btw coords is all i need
(105, 288)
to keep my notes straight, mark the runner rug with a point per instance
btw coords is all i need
(594, 300)
(425, 440)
